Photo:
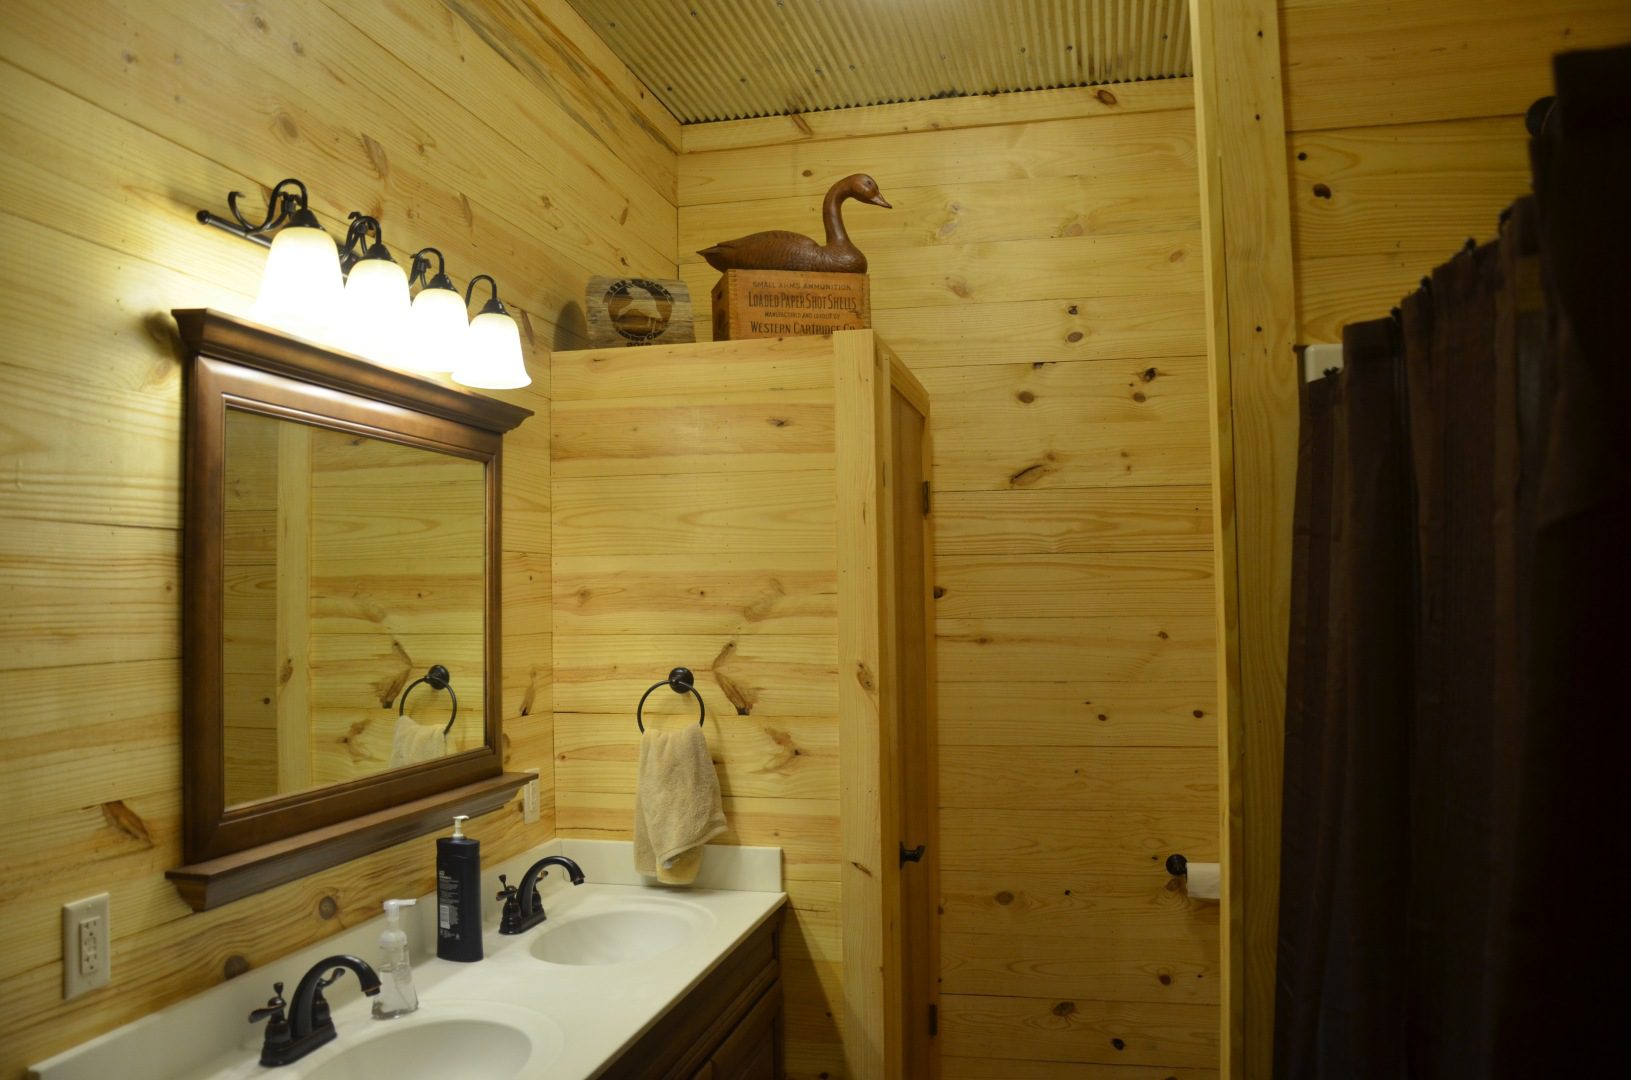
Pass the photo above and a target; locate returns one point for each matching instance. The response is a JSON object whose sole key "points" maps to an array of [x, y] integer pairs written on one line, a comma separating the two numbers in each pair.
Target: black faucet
{"points": [[522, 907], [309, 1024]]}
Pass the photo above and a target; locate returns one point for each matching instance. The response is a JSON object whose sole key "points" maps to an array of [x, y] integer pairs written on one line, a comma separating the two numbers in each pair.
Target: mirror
{"points": [[342, 541], [352, 565]]}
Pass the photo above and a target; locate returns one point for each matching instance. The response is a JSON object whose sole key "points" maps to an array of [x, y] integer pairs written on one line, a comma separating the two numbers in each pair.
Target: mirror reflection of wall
{"points": [[352, 564]]}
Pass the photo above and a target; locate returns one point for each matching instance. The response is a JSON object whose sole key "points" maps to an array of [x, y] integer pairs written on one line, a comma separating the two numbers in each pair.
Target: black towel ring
{"points": [[438, 679], [679, 680]]}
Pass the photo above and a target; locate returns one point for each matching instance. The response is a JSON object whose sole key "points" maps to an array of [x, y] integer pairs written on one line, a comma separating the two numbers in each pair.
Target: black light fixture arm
{"points": [[356, 247], [419, 271], [287, 199], [494, 304]]}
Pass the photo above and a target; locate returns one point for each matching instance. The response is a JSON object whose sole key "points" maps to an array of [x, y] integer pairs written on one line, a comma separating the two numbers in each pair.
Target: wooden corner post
{"points": [[1251, 312]]}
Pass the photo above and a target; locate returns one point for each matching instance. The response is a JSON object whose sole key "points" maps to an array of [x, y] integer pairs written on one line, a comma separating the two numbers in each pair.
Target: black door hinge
{"points": [[926, 500], [934, 1020]]}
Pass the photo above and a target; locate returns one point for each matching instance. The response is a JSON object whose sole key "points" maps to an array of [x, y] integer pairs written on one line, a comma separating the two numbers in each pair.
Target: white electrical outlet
{"points": [[529, 799], [86, 951]]}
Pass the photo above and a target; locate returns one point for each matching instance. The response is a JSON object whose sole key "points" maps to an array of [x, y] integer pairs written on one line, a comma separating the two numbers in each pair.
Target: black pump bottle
{"points": [[458, 895]]}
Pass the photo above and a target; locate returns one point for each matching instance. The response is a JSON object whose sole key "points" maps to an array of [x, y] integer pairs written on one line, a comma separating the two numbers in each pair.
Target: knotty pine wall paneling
{"points": [[695, 525], [1041, 274], [500, 132], [1405, 134]]}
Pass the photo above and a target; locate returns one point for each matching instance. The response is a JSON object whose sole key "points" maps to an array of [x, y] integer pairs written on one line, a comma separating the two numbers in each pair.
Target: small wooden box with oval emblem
{"points": [[637, 311], [789, 303]]}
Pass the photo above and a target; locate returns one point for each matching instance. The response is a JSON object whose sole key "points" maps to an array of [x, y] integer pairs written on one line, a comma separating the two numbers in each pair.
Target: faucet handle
{"points": [[273, 1009], [320, 1016], [510, 922], [278, 1032]]}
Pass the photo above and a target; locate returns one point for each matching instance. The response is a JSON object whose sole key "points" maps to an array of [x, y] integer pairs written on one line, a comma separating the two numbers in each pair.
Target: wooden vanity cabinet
{"points": [[728, 1028]]}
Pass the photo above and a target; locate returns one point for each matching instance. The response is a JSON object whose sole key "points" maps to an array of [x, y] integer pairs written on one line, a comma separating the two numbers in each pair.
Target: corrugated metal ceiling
{"points": [[725, 59]]}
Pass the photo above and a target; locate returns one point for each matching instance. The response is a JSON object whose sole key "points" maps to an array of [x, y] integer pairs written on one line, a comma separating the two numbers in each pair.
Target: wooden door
{"points": [[912, 559]]}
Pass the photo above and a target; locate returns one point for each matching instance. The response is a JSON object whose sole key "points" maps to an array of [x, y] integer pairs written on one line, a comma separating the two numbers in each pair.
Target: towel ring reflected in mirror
{"points": [[680, 680], [439, 679]]}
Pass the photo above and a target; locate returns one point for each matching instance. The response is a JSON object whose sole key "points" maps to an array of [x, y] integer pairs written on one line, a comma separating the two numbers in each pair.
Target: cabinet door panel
{"points": [[751, 1052]]}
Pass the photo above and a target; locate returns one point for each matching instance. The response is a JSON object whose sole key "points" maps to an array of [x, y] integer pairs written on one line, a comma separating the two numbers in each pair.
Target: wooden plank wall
{"points": [[511, 141], [694, 524], [1041, 273], [1405, 134]]}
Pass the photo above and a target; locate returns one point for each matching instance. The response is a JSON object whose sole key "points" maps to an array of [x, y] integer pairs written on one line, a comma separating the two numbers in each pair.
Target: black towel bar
{"points": [[680, 680], [438, 679]]}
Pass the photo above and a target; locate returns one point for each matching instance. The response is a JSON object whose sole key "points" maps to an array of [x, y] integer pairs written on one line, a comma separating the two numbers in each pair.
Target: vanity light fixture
{"points": [[354, 296], [301, 288], [375, 314], [439, 327], [491, 359]]}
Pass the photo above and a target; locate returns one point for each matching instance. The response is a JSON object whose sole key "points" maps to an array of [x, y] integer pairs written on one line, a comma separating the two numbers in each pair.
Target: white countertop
{"points": [[578, 1018]]}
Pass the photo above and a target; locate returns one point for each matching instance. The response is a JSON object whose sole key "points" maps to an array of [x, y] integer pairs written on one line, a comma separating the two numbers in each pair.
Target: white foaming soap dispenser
{"points": [[397, 996]]}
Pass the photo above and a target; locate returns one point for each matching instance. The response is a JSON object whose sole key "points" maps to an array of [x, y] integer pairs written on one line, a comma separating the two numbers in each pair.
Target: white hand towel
{"points": [[676, 804], [411, 742]]}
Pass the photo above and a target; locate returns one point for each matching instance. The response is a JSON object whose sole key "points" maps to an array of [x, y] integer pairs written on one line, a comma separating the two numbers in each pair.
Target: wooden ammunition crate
{"points": [[789, 303]]}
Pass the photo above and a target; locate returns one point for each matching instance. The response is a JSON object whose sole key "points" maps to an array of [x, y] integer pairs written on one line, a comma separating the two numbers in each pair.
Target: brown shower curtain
{"points": [[1458, 714]]}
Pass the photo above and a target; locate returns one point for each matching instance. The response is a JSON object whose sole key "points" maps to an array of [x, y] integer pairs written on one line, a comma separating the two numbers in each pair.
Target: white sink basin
{"points": [[437, 1049], [628, 933]]}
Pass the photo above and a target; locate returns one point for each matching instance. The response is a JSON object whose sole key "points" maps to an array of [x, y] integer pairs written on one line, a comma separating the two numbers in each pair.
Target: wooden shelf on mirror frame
{"points": [[214, 882]]}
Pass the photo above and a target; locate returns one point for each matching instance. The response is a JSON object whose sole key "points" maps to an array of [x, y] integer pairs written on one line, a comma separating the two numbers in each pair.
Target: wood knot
{"points": [[328, 907], [1025, 396], [1030, 474], [1322, 191], [1106, 97], [939, 591], [1139, 397], [376, 156], [1074, 336], [863, 675], [1198, 714], [1064, 1008], [1148, 374], [235, 965], [1005, 897], [1162, 634], [1118, 1044], [126, 821], [1166, 980]]}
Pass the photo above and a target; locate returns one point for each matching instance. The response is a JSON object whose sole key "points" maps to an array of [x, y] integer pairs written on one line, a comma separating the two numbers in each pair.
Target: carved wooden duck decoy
{"points": [[779, 249]]}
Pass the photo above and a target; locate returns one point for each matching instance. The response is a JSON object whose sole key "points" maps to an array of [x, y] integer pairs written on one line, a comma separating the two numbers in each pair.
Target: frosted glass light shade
{"points": [[376, 312], [301, 287], [438, 331], [492, 358]]}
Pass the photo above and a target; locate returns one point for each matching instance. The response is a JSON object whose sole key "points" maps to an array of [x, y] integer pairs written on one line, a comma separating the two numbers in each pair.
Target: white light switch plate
{"points": [[86, 951]]}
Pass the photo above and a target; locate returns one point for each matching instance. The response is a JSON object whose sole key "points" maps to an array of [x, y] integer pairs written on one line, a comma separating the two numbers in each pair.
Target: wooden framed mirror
{"points": [[342, 541]]}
